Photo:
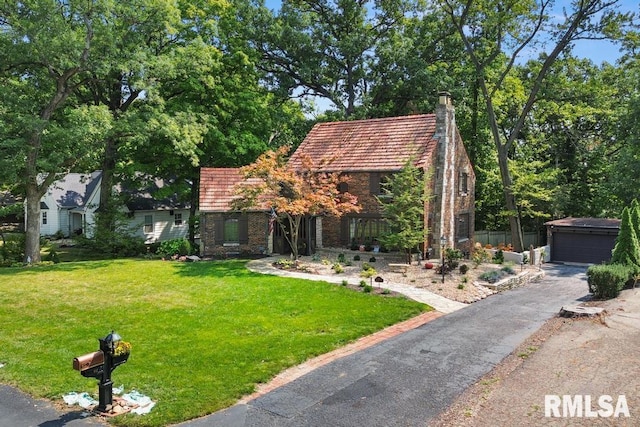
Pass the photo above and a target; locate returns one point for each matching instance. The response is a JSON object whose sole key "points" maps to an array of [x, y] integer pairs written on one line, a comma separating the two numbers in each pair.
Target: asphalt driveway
{"points": [[410, 379], [404, 381]]}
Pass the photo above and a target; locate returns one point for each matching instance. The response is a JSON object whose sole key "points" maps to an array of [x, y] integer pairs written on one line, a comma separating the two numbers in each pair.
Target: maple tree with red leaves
{"points": [[293, 193]]}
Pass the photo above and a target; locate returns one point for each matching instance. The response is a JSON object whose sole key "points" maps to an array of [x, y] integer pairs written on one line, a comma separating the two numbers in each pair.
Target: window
{"points": [[177, 219], [148, 223], [462, 228], [343, 187], [464, 183], [366, 230], [44, 218], [377, 182], [231, 231]]}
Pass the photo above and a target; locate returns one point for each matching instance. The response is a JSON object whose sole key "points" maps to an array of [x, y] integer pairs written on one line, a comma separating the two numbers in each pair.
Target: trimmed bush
{"points": [[175, 247], [607, 280]]}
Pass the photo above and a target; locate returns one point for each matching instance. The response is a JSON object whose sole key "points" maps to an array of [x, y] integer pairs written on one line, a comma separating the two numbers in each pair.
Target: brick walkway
{"points": [[362, 343]]}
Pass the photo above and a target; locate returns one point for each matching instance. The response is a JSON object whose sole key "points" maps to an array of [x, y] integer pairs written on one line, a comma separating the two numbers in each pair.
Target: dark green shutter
{"points": [[218, 231], [243, 229]]}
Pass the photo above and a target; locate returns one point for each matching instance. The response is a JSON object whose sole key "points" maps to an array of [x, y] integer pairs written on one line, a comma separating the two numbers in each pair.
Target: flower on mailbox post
{"points": [[122, 348]]}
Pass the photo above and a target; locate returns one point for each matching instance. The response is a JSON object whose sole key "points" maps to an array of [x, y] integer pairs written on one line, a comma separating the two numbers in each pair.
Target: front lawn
{"points": [[203, 334]]}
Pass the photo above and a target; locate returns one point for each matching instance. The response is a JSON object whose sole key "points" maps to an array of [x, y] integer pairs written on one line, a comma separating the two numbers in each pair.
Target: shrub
{"points": [[175, 247], [341, 258], [460, 286], [452, 257], [491, 276], [508, 269], [370, 272], [367, 288], [607, 280], [464, 268], [345, 282], [356, 257], [372, 259], [337, 267], [362, 283], [480, 255], [13, 249], [498, 258]]}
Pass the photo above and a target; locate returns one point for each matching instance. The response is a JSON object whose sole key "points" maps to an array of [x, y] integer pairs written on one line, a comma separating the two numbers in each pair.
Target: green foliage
{"points": [[498, 257], [175, 247], [372, 259], [12, 249], [367, 289], [491, 276], [452, 258], [464, 268], [341, 257], [356, 257], [607, 280], [337, 268], [627, 247], [403, 207], [480, 255], [508, 269]]}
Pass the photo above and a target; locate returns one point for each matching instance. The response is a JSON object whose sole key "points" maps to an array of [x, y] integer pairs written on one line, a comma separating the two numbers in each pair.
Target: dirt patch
{"points": [[465, 287], [576, 357]]}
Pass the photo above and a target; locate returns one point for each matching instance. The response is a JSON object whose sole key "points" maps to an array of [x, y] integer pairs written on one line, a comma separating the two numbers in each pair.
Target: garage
{"points": [[582, 240]]}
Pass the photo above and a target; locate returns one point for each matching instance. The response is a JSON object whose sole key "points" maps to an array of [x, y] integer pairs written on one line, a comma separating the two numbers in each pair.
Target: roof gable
{"points": [[384, 144], [74, 189]]}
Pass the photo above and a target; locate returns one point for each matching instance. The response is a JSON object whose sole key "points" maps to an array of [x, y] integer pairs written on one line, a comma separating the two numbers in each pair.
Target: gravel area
{"points": [[465, 288]]}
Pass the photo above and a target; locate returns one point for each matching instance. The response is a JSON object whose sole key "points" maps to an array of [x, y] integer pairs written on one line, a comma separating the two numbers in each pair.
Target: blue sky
{"points": [[597, 51]]}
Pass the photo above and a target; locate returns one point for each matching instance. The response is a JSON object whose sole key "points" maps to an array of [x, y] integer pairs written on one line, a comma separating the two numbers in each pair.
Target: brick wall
{"points": [[257, 223]]}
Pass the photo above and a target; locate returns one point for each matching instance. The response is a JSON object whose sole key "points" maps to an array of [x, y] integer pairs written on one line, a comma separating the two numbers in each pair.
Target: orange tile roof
{"points": [[369, 145], [217, 187]]}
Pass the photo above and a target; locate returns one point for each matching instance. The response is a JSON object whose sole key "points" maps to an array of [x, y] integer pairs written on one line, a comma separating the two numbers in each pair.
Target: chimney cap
{"points": [[444, 98]]}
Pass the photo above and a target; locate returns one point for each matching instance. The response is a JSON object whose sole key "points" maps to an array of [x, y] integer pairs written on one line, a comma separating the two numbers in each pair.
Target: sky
{"points": [[597, 51]]}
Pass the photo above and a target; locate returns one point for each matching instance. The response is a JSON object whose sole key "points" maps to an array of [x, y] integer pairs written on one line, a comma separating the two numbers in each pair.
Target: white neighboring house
{"points": [[70, 204]]}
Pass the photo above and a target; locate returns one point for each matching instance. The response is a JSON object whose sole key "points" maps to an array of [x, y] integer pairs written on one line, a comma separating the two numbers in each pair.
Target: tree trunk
{"points": [[32, 223], [510, 201]]}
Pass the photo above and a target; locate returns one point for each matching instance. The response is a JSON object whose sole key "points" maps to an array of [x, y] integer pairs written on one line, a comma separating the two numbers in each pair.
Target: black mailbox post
{"points": [[100, 364]]}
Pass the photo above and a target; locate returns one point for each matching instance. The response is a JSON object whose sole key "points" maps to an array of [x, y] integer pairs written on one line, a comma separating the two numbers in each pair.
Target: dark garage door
{"points": [[582, 247]]}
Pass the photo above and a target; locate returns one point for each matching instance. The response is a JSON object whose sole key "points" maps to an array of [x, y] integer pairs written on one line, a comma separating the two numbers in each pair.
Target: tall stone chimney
{"points": [[445, 169]]}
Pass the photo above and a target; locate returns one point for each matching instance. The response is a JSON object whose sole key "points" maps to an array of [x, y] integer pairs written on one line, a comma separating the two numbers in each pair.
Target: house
{"points": [[582, 240], [70, 205], [369, 151]]}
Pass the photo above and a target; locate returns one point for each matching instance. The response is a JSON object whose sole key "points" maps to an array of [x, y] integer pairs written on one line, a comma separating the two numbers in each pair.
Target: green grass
{"points": [[203, 334]]}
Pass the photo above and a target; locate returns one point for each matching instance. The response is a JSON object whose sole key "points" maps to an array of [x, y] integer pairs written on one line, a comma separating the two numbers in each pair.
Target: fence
{"points": [[494, 238]]}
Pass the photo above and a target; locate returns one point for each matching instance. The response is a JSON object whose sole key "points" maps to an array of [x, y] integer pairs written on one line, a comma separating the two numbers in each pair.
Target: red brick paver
{"points": [[365, 342]]}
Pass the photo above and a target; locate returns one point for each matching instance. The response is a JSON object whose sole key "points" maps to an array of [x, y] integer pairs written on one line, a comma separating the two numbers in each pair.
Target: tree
{"points": [[405, 195], [43, 132], [324, 48], [292, 194], [495, 34], [627, 248]]}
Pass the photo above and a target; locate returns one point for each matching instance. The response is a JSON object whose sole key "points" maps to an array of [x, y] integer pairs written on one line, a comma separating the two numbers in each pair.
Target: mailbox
{"points": [[100, 364], [90, 365]]}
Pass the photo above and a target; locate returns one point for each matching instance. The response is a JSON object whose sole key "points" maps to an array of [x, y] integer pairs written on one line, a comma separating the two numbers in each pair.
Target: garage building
{"points": [[582, 240]]}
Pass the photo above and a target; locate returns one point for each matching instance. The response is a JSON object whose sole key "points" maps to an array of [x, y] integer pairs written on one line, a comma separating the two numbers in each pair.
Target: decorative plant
{"points": [[122, 348]]}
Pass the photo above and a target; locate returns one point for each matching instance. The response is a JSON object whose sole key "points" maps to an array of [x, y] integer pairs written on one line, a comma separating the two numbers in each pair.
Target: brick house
{"points": [[368, 151]]}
